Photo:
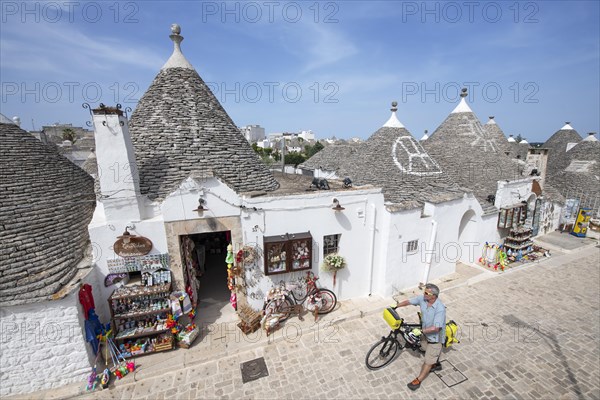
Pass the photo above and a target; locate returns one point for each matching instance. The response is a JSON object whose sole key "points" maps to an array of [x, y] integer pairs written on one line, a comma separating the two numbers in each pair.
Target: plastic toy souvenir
{"points": [[92, 380], [105, 379]]}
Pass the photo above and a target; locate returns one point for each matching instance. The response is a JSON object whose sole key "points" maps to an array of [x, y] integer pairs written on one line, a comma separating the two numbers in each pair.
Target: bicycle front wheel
{"points": [[328, 301], [382, 353]]}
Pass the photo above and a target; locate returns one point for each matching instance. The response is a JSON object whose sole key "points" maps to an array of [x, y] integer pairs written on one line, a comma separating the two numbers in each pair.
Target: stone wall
{"points": [[42, 346]]}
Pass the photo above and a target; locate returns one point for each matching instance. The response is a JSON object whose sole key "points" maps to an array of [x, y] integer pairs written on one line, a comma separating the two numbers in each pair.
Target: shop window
{"points": [[331, 244], [288, 253], [412, 246]]}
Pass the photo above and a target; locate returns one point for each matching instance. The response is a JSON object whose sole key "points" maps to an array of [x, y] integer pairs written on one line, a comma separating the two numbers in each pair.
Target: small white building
{"points": [[309, 135], [253, 133]]}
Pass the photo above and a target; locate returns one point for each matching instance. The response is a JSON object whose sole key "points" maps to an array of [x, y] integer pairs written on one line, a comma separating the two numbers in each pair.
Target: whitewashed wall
{"points": [[103, 235], [312, 212], [42, 346], [433, 259], [513, 192]]}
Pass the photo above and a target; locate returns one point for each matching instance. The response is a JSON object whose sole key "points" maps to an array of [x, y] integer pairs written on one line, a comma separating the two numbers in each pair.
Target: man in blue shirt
{"points": [[433, 330]]}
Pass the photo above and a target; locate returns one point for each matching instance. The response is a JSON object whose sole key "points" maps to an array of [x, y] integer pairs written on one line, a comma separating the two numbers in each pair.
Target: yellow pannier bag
{"points": [[451, 332], [391, 317]]}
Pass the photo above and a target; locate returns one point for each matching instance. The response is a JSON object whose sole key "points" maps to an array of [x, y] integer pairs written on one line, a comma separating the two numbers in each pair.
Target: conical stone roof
{"points": [[179, 129], [470, 155], [581, 177], [395, 161], [518, 150], [557, 148], [497, 135], [46, 204], [331, 157]]}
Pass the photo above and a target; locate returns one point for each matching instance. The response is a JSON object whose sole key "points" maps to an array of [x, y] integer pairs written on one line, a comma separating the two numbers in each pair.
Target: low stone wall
{"points": [[42, 346]]}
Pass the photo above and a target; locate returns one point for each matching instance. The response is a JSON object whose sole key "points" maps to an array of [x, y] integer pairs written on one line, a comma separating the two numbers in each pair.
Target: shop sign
{"points": [[131, 246]]}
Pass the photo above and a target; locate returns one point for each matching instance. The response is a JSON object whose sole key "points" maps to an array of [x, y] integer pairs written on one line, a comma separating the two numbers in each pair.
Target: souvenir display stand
{"points": [[139, 315], [518, 243]]}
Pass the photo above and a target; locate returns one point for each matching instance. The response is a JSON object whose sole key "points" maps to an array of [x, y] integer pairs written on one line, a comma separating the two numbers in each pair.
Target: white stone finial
{"points": [[425, 135], [567, 126], [491, 120], [393, 122], [17, 121], [462, 106], [177, 59]]}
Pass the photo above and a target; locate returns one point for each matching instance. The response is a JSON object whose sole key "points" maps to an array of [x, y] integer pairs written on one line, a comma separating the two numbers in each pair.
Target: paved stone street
{"points": [[527, 333]]}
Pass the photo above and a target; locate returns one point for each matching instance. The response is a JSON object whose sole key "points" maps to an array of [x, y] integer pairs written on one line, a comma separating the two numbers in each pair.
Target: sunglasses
{"points": [[428, 293]]}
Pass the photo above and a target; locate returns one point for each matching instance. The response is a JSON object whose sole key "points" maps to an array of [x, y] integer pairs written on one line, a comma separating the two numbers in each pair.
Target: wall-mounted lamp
{"points": [[126, 236], [201, 207], [336, 205]]}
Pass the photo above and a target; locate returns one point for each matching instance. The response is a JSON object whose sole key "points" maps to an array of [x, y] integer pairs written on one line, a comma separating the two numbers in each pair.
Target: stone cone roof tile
{"points": [[179, 129], [46, 204], [557, 149], [581, 177], [471, 156], [497, 135], [331, 157], [393, 159]]}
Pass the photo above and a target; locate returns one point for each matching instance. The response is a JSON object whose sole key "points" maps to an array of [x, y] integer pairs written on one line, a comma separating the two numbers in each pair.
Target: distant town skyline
{"points": [[330, 67]]}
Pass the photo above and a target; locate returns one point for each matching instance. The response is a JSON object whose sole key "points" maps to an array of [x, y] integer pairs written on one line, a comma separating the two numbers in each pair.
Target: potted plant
{"points": [[333, 263]]}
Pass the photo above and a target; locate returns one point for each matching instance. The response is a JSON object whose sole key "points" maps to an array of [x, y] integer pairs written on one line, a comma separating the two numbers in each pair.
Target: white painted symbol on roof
{"points": [[406, 151]]}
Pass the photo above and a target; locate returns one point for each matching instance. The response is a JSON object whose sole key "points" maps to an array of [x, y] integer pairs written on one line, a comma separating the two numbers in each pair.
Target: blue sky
{"points": [[332, 67]]}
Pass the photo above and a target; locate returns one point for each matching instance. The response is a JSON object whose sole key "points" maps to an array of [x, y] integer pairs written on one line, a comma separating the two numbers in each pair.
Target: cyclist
{"points": [[433, 323]]}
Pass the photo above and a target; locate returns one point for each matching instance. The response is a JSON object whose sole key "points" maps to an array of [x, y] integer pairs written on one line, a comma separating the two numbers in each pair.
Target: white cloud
{"points": [[64, 49]]}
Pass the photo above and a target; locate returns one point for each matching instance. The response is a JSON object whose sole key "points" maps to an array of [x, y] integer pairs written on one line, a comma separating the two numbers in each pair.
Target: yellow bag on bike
{"points": [[392, 318], [451, 332]]}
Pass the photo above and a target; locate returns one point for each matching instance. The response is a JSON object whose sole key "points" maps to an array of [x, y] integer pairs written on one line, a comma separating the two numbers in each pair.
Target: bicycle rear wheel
{"points": [[282, 307], [328, 301], [382, 353]]}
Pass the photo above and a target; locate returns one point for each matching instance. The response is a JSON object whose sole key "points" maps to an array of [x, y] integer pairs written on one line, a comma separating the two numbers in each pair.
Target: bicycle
{"points": [[285, 301], [385, 350]]}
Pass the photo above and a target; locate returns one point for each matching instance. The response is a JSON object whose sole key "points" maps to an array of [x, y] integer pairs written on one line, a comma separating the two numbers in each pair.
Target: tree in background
{"points": [[312, 150], [294, 158]]}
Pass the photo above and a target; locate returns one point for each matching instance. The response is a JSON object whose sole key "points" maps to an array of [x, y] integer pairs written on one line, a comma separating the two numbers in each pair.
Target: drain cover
{"points": [[449, 374], [254, 369]]}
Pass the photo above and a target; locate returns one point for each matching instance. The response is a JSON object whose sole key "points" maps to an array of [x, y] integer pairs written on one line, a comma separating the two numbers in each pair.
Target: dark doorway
{"points": [[207, 252]]}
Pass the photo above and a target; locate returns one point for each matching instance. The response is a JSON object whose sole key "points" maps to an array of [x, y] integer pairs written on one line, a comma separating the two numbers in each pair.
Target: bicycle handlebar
{"points": [[310, 276]]}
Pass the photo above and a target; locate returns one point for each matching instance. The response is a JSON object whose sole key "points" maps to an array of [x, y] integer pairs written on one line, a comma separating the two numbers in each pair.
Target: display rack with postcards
{"points": [[140, 311]]}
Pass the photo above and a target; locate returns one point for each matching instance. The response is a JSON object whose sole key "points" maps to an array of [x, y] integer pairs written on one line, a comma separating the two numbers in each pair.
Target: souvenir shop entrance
{"points": [[205, 273]]}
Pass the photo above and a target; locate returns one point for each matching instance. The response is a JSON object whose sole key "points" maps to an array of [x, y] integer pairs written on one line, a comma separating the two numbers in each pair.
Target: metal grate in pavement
{"points": [[254, 369], [450, 375]]}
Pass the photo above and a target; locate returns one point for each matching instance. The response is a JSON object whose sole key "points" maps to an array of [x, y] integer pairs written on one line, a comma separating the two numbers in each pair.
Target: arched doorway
{"points": [[467, 234]]}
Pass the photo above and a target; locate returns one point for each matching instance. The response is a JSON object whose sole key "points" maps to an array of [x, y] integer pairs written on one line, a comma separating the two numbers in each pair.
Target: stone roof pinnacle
{"points": [[462, 106], [393, 122], [177, 59]]}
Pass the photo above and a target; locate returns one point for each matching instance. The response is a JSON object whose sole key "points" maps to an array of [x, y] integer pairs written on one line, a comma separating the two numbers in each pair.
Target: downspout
{"points": [[429, 251], [372, 249]]}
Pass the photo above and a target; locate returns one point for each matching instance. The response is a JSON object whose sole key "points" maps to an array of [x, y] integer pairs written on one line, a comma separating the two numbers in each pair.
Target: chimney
{"points": [[117, 168]]}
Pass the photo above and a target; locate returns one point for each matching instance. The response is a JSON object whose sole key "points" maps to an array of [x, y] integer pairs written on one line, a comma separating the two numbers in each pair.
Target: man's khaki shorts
{"points": [[432, 351]]}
